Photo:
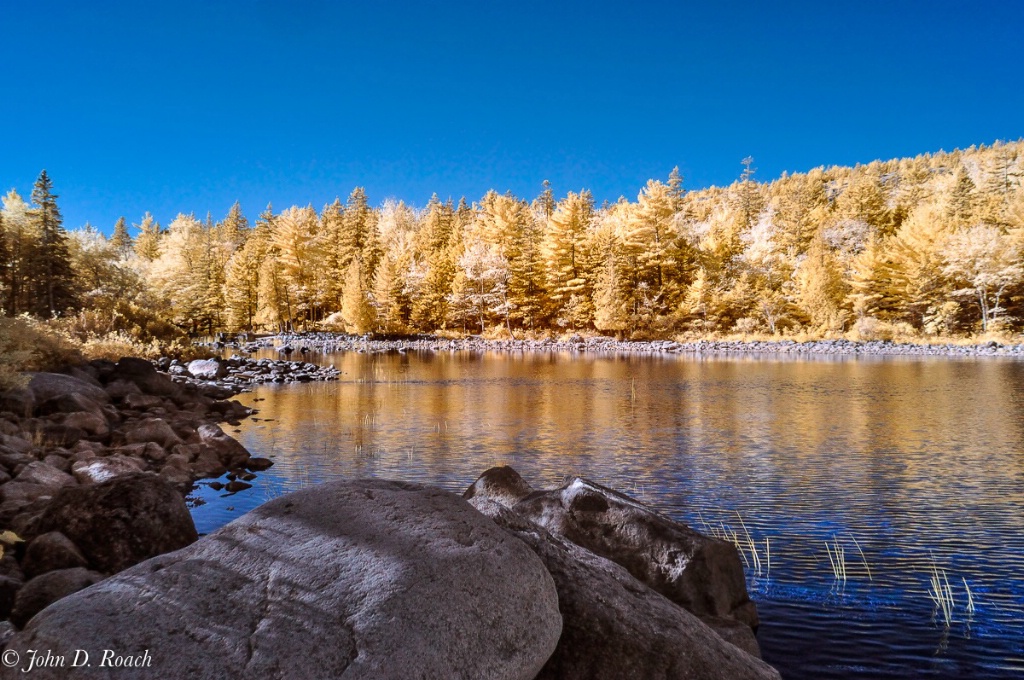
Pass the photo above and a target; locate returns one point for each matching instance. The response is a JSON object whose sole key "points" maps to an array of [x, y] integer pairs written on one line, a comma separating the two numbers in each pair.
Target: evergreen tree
{"points": [[563, 249], [51, 266], [121, 239], [356, 308], [147, 244], [962, 199]]}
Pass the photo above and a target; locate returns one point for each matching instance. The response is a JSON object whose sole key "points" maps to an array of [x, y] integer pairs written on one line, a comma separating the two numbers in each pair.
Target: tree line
{"points": [[931, 245]]}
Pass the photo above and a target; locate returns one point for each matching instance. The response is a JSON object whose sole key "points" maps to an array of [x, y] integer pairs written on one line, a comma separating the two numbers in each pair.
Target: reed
{"points": [[940, 593], [862, 558], [837, 558], [970, 597]]}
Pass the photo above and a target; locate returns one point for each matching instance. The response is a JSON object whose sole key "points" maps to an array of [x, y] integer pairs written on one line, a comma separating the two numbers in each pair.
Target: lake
{"points": [[853, 484]]}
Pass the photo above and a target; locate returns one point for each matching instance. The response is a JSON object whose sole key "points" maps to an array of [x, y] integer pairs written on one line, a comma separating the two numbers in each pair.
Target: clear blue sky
{"points": [[188, 106]]}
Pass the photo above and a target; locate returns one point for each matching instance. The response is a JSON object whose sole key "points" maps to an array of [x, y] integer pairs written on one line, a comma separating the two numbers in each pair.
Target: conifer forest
{"points": [[931, 246]]}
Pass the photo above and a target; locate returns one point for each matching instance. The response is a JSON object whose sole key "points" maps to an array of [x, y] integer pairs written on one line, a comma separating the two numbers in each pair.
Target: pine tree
{"points": [[563, 249], [545, 202], [611, 311], [962, 199], [821, 288], [51, 266], [356, 308], [121, 239], [147, 244]]}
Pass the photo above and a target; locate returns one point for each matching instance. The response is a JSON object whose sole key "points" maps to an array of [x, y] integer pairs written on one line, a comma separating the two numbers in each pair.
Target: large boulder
{"points": [[207, 369], [362, 579], [615, 627], [700, 573], [145, 376], [121, 522], [49, 385]]}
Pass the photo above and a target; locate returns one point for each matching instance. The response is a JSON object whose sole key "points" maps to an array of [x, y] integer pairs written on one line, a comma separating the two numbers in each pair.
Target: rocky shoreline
{"points": [[309, 344], [382, 579], [65, 435]]}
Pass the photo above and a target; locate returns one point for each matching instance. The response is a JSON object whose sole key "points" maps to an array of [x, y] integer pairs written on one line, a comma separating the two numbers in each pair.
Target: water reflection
{"points": [[917, 461]]}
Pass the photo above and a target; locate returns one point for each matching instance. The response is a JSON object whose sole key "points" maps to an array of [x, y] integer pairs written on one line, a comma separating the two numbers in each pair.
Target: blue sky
{"points": [[189, 106]]}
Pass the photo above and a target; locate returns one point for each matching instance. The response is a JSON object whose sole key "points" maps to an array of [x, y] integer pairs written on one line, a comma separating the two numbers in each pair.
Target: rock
{"points": [[235, 486], [20, 492], [153, 430], [258, 464], [121, 389], [150, 451], [56, 434], [229, 451], [145, 377], [207, 369], [8, 592], [38, 472], [121, 522], [177, 477], [17, 444], [71, 402], [702, 574], [44, 590], [99, 470], [207, 464], [92, 424], [362, 579], [58, 461], [49, 385], [20, 401], [142, 402], [49, 552], [615, 627], [500, 484]]}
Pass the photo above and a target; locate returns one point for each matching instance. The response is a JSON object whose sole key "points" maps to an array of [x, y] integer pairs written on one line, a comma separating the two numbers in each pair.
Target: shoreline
{"points": [[296, 345]]}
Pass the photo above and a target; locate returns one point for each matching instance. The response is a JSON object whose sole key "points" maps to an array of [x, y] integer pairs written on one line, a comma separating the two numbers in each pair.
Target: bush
{"points": [[30, 345]]}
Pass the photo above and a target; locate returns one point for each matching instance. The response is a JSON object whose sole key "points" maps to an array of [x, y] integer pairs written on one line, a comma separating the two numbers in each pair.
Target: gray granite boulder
{"points": [[207, 369], [615, 627], [362, 579], [702, 574]]}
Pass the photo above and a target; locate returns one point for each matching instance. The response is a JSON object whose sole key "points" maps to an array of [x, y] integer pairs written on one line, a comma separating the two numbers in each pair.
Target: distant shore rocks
{"points": [[309, 344], [221, 378]]}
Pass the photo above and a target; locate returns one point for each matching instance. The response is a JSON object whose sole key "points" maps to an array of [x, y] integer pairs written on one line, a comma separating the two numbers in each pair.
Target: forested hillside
{"points": [[925, 246]]}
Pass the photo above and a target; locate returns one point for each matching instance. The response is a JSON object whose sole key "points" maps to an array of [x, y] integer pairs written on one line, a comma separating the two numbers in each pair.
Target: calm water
{"points": [[905, 465]]}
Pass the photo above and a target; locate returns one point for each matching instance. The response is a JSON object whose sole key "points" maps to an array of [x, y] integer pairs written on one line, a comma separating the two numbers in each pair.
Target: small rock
{"points": [[44, 590], [258, 464], [49, 552]]}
